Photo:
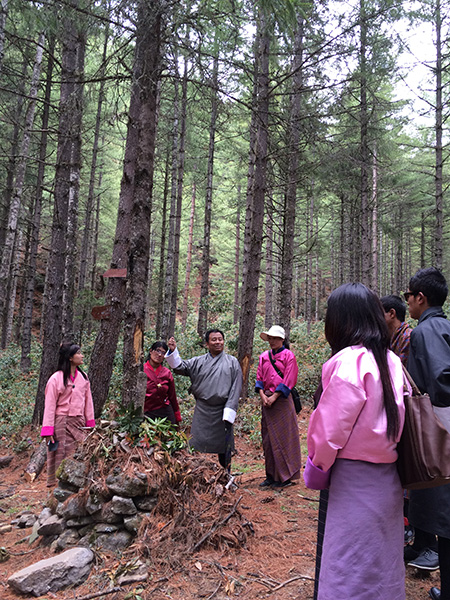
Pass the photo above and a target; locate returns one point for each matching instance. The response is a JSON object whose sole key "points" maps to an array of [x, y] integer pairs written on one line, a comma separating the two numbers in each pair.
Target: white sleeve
{"points": [[229, 414], [173, 358]]}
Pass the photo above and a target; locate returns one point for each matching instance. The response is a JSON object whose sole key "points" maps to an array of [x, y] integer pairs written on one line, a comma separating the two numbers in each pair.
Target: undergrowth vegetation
{"points": [[18, 390]]}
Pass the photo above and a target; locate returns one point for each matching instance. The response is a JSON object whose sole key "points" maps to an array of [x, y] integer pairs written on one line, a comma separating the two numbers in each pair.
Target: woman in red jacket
{"points": [[160, 398]]}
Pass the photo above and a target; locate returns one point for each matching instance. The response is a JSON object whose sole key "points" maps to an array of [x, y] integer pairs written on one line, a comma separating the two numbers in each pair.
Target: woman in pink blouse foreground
{"points": [[68, 408], [352, 439], [276, 376]]}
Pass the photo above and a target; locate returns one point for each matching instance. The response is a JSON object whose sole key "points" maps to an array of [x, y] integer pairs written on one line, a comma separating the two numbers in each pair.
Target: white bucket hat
{"points": [[274, 331]]}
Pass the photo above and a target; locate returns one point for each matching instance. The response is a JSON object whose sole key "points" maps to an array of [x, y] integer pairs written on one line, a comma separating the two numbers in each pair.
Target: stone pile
{"points": [[103, 515]]}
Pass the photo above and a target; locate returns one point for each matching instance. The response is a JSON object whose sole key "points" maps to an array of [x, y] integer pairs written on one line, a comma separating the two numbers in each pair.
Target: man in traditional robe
{"points": [[216, 383]]}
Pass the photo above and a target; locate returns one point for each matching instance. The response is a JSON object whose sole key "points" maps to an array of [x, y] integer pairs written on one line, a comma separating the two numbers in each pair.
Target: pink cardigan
{"points": [[74, 399], [350, 421]]}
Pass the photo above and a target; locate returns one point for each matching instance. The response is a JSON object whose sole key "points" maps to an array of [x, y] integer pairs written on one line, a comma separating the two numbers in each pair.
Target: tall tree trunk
{"points": [[25, 360], [187, 280], [364, 152], [72, 224], [3, 16], [206, 250], [8, 191], [162, 262], [8, 259], [289, 214], [375, 282], [256, 205], [180, 178], [438, 232], [88, 220], [67, 134], [166, 332], [269, 280], [136, 176], [148, 38], [237, 258]]}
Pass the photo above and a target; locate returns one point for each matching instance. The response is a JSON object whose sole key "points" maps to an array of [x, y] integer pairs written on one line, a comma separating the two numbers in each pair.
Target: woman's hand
{"points": [[49, 439], [171, 343], [271, 399]]}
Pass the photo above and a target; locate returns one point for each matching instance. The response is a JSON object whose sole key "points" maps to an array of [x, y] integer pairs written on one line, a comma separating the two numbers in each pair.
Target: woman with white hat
{"points": [[276, 376]]}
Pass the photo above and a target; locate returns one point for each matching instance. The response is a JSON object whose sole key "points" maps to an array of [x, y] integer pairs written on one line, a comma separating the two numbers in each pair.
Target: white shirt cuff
{"points": [[229, 414], [173, 358]]}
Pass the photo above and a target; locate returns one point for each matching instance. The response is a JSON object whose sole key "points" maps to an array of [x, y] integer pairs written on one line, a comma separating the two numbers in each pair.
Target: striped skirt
{"points": [[364, 534], [68, 432]]}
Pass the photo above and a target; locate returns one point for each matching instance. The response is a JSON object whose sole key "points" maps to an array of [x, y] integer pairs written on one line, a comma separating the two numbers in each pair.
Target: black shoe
{"points": [[281, 484], [428, 560], [434, 593], [410, 553], [267, 482]]}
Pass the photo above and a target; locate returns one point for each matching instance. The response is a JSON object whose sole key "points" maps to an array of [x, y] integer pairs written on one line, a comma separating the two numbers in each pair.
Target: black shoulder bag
{"points": [[294, 393]]}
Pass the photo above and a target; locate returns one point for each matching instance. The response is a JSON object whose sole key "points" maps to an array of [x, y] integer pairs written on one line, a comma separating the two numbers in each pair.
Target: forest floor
{"points": [[276, 562]]}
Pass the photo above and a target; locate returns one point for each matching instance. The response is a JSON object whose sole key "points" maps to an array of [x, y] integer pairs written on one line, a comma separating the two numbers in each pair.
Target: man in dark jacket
{"points": [[429, 366]]}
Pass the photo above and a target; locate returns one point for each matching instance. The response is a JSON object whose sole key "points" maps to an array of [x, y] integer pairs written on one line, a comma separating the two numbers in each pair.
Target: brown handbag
{"points": [[424, 447]]}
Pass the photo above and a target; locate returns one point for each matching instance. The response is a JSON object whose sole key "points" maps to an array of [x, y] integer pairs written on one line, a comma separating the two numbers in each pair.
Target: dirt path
{"points": [[278, 561]]}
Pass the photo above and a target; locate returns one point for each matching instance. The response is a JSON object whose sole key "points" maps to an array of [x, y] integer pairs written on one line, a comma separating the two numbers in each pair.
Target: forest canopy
{"points": [[171, 160]]}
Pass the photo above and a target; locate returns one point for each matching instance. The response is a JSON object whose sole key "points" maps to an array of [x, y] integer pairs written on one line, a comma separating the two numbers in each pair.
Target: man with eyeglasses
{"points": [[429, 366]]}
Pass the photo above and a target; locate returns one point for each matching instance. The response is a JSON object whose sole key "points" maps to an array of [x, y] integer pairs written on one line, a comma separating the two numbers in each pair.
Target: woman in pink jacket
{"points": [[352, 439], [68, 408], [276, 376]]}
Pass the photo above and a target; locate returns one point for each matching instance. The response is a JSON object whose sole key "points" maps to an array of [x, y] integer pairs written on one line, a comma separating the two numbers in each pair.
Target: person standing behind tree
{"points": [[160, 396], [216, 384], [68, 408], [399, 330], [279, 428]]}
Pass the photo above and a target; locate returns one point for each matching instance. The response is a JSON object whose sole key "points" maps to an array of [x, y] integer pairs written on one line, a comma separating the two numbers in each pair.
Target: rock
{"points": [[132, 523], [72, 472], [52, 526], [5, 528], [114, 542], [44, 515], [70, 568], [67, 539], [5, 461], [72, 508], [80, 522], [127, 485], [26, 520], [146, 503], [106, 515], [105, 528], [137, 572], [123, 506], [62, 494]]}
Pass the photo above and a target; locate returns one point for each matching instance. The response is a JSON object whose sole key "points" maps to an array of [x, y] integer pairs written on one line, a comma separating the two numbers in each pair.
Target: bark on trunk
{"points": [[289, 215], [206, 250], [256, 206], [438, 232], [187, 280], [25, 360], [102, 360], [67, 132], [72, 224], [148, 61]]}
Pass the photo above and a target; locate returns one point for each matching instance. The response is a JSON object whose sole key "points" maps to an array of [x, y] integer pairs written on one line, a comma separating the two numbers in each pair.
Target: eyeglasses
{"points": [[407, 295], [160, 352]]}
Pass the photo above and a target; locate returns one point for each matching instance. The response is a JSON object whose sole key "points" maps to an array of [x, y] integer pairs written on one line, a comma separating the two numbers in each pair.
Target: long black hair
{"points": [[66, 351], [355, 316]]}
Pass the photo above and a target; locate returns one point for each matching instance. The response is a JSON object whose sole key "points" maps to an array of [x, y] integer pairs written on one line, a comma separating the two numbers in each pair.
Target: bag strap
{"points": [[415, 389], [274, 365]]}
